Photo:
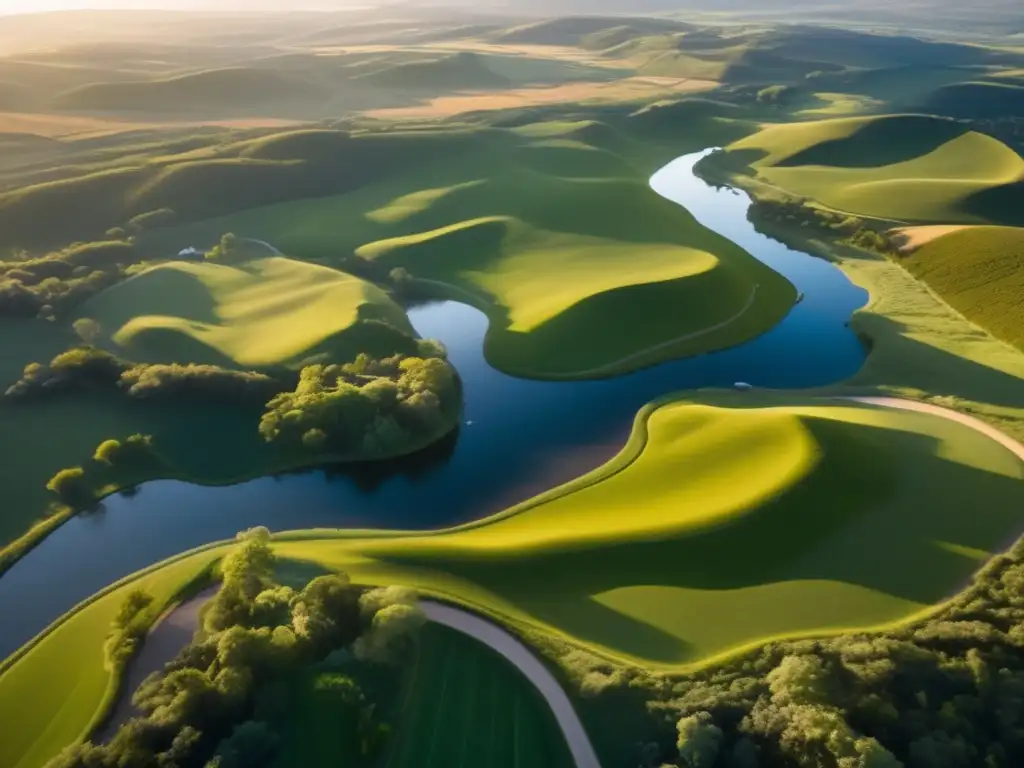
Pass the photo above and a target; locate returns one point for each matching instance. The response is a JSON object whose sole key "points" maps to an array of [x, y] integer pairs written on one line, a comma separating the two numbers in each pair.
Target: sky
{"points": [[31, 6]]}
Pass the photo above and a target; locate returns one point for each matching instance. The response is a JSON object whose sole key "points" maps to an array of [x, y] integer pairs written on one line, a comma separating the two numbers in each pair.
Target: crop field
{"points": [[57, 689], [465, 704], [256, 313], [979, 271], [907, 168]]}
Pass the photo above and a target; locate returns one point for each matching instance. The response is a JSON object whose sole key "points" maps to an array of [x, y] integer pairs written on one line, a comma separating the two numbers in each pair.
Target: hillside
{"points": [[221, 89], [977, 100], [979, 271], [463, 70], [899, 167], [254, 314]]}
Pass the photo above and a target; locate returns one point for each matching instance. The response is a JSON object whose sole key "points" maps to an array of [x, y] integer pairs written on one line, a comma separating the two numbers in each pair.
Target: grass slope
{"points": [[461, 70], [900, 167], [551, 229], [979, 271], [258, 313], [58, 688], [726, 522], [219, 88], [977, 100]]}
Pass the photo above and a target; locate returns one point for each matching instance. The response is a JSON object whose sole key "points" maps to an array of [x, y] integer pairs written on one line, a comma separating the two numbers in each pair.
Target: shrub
{"points": [[88, 330], [72, 487]]}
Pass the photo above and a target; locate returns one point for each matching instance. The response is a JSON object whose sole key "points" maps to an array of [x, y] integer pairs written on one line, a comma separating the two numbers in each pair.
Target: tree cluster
{"points": [[945, 693], [88, 367], [50, 286], [372, 406], [114, 464], [221, 702], [801, 213]]}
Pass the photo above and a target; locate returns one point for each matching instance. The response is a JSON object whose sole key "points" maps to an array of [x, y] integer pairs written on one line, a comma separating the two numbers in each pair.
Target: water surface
{"points": [[518, 437]]}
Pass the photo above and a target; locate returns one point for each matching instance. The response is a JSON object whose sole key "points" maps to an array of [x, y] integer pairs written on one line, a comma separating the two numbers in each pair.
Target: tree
{"points": [[72, 487], [799, 680], [225, 249], [88, 330], [247, 572], [327, 613], [699, 740], [391, 625]]}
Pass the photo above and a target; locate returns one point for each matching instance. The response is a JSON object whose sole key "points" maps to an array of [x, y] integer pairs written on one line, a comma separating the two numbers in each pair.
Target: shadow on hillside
{"points": [[885, 510], [909, 363]]}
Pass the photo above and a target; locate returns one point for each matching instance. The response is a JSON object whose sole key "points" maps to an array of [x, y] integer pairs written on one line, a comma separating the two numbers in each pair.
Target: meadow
{"points": [[768, 534], [251, 313], [903, 168]]}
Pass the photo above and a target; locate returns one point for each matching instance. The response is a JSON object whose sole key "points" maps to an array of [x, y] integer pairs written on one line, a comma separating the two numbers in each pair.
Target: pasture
{"points": [[611, 257], [908, 168], [464, 703], [756, 512], [251, 314]]}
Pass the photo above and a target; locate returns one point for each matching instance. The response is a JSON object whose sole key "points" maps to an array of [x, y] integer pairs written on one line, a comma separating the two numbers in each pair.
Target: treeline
{"points": [[87, 367], [50, 286], [223, 701], [115, 464], [801, 213], [372, 406], [947, 692]]}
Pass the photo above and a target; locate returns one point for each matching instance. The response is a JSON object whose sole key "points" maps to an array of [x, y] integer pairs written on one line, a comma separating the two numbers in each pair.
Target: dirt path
{"points": [[522, 659], [171, 633], [945, 413]]}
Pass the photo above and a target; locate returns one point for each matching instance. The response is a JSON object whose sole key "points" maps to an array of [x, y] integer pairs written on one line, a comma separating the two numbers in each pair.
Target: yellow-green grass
{"points": [[728, 520], [902, 168], [582, 269], [839, 105], [55, 691], [979, 271], [258, 313], [724, 523]]}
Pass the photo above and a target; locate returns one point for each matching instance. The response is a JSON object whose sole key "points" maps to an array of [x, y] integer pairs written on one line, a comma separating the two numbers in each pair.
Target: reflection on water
{"points": [[518, 437]]}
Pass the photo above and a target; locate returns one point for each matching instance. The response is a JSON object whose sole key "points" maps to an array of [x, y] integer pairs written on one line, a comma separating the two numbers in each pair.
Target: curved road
{"points": [[177, 627]]}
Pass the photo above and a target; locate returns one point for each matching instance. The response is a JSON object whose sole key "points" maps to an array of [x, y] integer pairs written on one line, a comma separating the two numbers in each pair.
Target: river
{"points": [[518, 437]]}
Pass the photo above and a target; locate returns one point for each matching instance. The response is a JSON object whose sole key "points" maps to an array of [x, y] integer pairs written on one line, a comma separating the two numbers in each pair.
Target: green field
{"points": [[552, 230], [253, 314], [465, 704], [898, 167], [58, 688], [794, 519], [979, 271]]}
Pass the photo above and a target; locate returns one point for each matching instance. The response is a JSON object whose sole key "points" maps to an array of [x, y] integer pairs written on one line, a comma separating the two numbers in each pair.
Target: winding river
{"points": [[518, 438]]}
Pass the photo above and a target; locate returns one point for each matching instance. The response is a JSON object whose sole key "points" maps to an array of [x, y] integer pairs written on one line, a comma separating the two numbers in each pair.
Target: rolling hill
{"points": [[898, 167], [254, 314], [229, 88]]}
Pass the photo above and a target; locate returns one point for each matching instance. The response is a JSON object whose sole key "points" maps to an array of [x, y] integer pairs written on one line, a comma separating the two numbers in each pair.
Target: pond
{"points": [[518, 437]]}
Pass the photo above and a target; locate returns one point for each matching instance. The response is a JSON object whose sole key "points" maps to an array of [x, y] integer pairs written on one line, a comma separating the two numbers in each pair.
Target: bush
{"points": [[128, 629], [72, 487], [206, 382], [88, 330], [136, 452]]}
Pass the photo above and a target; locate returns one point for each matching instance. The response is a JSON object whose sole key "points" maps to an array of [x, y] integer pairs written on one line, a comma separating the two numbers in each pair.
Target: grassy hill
{"points": [[768, 537], [594, 32], [977, 100], [979, 271], [456, 72], [552, 230], [220, 88], [257, 313], [899, 167]]}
